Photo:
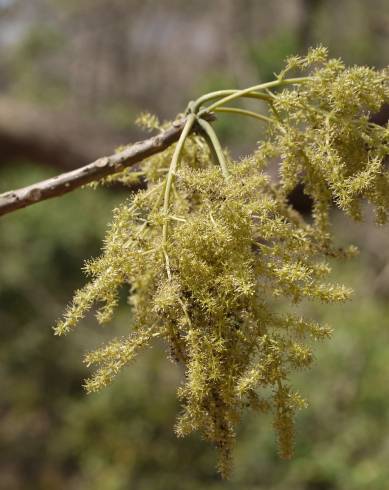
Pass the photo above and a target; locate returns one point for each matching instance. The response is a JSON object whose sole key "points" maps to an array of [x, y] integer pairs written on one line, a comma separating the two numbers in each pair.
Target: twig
{"points": [[69, 181]]}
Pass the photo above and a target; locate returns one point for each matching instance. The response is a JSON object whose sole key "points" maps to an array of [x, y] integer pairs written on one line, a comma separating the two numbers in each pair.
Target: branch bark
{"points": [[69, 181]]}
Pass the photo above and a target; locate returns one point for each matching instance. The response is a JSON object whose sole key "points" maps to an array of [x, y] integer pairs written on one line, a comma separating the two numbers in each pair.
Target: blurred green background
{"points": [[73, 77]]}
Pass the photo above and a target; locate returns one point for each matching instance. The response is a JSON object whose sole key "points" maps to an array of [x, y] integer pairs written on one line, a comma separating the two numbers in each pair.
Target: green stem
{"points": [[223, 93], [173, 168], [208, 129], [244, 112], [244, 92], [169, 183]]}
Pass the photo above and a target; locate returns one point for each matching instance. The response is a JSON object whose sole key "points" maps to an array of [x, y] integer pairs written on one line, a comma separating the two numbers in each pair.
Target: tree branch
{"points": [[67, 182]]}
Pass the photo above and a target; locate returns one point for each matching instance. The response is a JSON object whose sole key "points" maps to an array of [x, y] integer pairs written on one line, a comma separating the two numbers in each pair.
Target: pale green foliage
{"points": [[234, 253]]}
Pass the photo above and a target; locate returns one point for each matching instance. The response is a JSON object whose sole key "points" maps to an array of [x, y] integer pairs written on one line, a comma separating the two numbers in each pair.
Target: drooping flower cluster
{"points": [[211, 266], [327, 141]]}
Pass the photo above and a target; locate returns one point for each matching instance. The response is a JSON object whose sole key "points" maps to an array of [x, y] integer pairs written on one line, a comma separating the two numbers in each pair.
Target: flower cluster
{"points": [[212, 258]]}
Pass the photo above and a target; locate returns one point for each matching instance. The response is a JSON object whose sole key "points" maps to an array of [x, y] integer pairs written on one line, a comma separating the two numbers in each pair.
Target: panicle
{"points": [[211, 269]]}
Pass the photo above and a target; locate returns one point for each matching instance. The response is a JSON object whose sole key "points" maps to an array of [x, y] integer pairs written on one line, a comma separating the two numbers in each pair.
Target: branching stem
{"points": [[169, 183], [208, 129], [223, 93], [242, 93], [173, 168], [244, 112], [64, 183]]}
